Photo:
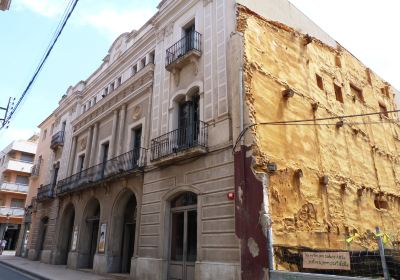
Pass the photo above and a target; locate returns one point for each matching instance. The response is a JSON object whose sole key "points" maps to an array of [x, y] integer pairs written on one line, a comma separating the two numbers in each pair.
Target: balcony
{"points": [[12, 212], [182, 52], [180, 143], [45, 192], [57, 140], [19, 165], [130, 162], [13, 187]]}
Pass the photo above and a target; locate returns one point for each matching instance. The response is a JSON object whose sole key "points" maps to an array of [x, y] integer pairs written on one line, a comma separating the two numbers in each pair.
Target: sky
{"points": [[368, 29]]}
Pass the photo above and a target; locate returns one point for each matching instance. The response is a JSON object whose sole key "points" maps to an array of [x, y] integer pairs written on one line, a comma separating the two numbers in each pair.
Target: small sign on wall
{"points": [[102, 240], [74, 238], [327, 260]]}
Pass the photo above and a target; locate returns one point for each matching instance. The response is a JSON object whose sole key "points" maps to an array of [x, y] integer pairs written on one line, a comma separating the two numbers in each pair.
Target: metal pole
{"points": [[385, 269]]}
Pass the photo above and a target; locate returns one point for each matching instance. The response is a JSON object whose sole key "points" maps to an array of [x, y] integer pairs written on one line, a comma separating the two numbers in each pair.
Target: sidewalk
{"points": [[48, 272]]}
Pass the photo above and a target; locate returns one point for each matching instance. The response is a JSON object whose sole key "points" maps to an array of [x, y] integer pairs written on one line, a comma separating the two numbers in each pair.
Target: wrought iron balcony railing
{"points": [[45, 192], [195, 135], [190, 42], [35, 169], [129, 162], [57, 140]]}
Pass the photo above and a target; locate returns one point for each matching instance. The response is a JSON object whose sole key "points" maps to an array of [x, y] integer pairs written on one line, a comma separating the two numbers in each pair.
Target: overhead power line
{"points": [[67, 14], [313, 122]]}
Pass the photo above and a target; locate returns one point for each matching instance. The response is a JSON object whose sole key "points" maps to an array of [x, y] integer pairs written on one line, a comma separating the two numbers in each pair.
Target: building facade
{"points": [[16, 162], [141, 176]]}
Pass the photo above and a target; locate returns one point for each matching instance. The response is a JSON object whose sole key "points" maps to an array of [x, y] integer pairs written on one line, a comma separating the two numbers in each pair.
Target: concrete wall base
{"points": [[220, 271], [45, 256], [149, 268], [72, 260], [100, 264], [157, 269], [32, 255]]}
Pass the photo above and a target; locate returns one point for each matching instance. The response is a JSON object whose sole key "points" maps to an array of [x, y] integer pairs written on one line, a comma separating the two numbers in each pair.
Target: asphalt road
{"points": [[7, 273]]}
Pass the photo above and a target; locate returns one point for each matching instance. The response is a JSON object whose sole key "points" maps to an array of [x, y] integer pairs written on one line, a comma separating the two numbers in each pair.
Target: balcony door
{"points": [[104, 158], [183, 237], [189, 37], [136, 144], [188, 122]]}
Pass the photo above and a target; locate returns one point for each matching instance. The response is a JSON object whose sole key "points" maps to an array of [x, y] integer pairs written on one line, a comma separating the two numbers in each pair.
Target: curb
{"points": [[25, 271]]}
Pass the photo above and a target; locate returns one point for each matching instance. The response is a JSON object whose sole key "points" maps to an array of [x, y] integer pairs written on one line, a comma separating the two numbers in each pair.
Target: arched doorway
{"points": [[66, 229], [183, 237], [90, 233], [42, 235], [123, 231]]}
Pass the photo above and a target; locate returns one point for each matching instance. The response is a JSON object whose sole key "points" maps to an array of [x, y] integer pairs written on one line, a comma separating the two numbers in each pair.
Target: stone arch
{"points": [[123, 233], [182, 232], [41, 236], [89, 233], [166, 213], [192, 93], [66, 228]]}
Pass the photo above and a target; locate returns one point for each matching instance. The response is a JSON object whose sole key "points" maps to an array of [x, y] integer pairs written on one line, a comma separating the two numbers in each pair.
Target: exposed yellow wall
{"points": [[361, 160]]}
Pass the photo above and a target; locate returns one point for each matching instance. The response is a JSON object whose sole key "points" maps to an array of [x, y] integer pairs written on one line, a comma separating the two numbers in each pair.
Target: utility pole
{"points": [[4, 120]]}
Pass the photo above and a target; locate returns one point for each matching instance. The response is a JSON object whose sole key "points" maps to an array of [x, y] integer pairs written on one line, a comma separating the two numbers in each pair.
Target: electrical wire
{"points": [[306, 122], [67, 14]]}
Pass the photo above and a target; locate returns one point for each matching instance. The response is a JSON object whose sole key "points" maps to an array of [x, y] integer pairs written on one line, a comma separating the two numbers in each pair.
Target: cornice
{"points": [[122, 62], [137, 83]]}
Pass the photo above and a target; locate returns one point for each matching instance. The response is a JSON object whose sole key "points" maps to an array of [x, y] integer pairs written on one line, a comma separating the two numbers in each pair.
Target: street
{"points": [[7, 273]]}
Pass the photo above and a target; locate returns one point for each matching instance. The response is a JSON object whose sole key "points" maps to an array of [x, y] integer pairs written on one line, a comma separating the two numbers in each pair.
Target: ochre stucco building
{"points": [[335, 178]]}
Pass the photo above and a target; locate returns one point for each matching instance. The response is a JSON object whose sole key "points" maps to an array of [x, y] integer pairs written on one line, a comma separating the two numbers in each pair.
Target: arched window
{"points": [[183, 236]]}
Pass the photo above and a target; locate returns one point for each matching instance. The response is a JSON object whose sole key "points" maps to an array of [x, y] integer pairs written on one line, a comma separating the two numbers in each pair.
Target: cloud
{"points": [[113, 22], [109, 17], [12, 134], [47, 8]]}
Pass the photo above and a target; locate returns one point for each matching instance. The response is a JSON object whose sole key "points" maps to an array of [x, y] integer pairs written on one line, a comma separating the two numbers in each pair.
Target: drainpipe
{"points": [[241, 99], [266, 221]]}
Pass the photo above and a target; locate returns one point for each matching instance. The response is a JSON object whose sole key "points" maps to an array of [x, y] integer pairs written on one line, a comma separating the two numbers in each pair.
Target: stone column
{"points": [[87, 150], [113, 134], [121, 129], [72, 155], [94, 144]]}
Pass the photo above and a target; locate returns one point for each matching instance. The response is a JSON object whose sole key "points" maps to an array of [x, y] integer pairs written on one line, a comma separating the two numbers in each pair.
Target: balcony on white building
{"points": [[12, 212], [14, 187], [19, 165]]}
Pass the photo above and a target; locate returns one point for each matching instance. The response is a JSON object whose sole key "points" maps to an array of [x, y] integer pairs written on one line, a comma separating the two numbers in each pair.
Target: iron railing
{"points": [[45, 192], [191, 41], [121, 165], [14, 187], [180, 139], [36, 169], [57, 139]]}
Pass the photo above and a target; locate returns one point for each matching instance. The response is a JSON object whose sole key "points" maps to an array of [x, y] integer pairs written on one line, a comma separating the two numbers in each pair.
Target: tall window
{"points": [[136, 143], [81, 161], [188, 121], [55, 174], [183, 236], [189, 35]]}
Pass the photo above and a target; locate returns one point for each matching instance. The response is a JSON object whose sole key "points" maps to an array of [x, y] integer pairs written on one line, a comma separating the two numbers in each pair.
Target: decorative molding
{"points": [[169, 29], [137, 112], [82, 144]]}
